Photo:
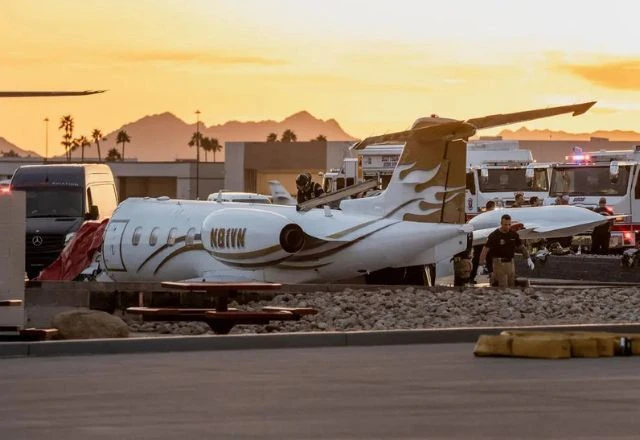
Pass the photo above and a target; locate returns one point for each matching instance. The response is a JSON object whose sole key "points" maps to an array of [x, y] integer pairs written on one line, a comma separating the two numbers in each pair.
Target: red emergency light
{"points": [[579, 158], [5, 190]]}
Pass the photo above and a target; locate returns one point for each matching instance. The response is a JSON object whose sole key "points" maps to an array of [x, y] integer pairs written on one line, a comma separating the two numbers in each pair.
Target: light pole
{"points": [[198, 155], [46, 139]]}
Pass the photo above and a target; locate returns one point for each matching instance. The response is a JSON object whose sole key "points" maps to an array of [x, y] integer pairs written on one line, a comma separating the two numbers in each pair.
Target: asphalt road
{"points": [[383, 392]]}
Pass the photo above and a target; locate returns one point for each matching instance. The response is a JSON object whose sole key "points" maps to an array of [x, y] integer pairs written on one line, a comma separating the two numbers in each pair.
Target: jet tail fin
{"points": [[428, 183]]}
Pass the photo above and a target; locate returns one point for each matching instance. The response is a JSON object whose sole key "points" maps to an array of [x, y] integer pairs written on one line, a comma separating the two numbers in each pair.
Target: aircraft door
{"points": [[112, 246]]}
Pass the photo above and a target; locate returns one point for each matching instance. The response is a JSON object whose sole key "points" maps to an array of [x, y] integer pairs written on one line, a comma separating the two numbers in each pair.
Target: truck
{"points": [[585, 177], [496, 170], [59, 199]]}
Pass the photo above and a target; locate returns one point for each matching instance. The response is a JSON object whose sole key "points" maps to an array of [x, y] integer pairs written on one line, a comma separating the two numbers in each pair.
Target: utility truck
{"points": [[586, 177]]}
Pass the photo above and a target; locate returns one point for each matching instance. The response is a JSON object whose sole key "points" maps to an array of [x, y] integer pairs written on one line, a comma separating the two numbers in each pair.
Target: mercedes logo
{"points": [[36, 240]]}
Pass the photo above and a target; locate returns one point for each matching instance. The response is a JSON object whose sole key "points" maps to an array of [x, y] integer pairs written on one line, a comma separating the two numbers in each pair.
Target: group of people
{"points": [[497, 254]]}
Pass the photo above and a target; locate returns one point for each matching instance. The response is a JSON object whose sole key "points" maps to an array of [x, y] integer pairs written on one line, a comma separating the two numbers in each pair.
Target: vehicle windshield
{"points": [[54, 202], [513, 179], [588, 181]]}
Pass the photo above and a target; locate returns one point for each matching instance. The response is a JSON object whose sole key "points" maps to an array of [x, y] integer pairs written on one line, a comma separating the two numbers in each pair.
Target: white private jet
{"points": [[416, 221], [538, 222]]}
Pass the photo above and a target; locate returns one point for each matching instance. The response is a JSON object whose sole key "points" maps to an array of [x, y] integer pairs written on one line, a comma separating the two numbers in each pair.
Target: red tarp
{"points": [[78, 254]]}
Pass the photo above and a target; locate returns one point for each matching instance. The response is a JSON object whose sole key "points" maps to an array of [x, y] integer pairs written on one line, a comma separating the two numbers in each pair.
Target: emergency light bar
{"points": [[579, 157]]}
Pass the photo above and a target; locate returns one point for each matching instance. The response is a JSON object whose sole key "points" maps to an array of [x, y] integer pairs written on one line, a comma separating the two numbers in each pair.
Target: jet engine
{"points": [[245, 237]]}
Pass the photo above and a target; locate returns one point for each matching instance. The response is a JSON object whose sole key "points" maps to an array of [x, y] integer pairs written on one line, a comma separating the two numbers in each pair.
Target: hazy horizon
{"points": [[374, 67]]}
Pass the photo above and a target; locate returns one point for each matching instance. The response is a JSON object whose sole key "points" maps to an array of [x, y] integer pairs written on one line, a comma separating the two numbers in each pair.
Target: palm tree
{"points": [[321, 138], [113, 155], [198, 140], [123, 138], [81, 143], [272, 137], [66, 123], [214, 146], [205, 144], [97, 137], [288, 136]]}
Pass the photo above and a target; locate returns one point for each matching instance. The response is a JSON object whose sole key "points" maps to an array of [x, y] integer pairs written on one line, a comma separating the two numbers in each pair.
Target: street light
{"points": [[46, 139], [198, 155]]}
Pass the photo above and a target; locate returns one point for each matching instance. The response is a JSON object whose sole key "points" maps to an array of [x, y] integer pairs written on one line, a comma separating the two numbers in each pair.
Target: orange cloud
{"points": [[614, 75], [196, 57]]}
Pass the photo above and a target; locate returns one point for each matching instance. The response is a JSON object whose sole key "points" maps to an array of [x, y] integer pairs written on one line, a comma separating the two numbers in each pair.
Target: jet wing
{"points": [[48, 93], [532, 231]]}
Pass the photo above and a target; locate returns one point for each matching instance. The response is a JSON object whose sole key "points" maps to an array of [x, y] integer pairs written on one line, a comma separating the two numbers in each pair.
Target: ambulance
{"points": [[586, 177]]}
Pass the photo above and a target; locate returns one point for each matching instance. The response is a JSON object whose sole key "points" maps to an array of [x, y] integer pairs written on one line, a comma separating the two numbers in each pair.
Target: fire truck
{"points": [[586, 177], [498, 170]]}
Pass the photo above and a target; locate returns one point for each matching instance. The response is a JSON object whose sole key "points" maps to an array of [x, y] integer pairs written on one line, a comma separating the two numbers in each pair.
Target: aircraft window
{"points": [[191, 236], [135, 239], [153, 237], [171, 238]]}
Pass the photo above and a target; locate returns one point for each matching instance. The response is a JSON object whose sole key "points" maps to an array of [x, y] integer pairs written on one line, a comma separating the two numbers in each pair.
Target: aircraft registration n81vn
{"points": [[418, 220]]}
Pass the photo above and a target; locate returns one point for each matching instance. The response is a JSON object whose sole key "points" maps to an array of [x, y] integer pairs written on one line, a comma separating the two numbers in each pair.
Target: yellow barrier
{"points": [[557, 345]]}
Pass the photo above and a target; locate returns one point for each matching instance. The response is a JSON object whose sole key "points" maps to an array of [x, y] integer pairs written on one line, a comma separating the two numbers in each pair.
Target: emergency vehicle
{"points": [[498, 170], [614, 175]]}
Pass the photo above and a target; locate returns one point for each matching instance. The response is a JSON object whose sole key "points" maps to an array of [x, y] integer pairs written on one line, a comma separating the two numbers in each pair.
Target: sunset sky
{"points": [[375, 66]]}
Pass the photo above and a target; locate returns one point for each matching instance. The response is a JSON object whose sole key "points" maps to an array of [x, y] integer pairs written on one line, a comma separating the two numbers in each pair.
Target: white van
{"points": [[241, 197]]}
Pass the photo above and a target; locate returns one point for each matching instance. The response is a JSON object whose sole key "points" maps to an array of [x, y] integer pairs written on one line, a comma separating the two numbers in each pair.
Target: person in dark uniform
{"points": [[475, 261], [503, 243], [307, 189], [601, 233]]}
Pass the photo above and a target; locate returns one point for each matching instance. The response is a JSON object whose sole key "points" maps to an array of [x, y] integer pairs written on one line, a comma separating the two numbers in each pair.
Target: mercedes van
{"points": [[59, 198]]}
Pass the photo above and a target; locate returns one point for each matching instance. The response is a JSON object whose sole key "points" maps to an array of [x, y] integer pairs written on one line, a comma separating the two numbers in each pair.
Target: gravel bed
{"points": [[417, 308]]}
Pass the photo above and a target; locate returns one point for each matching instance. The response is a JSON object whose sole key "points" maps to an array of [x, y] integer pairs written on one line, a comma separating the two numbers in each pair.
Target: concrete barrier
{"points": [[580, 267], [280, 340]]}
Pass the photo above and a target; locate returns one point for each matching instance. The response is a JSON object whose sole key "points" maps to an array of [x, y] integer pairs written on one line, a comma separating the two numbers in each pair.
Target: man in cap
{"points": [[502, 243], [307, 189], [602, 233]]}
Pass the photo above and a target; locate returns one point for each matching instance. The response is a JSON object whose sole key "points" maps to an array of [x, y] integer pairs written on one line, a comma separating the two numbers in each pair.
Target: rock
{"points": [[89, 324]]}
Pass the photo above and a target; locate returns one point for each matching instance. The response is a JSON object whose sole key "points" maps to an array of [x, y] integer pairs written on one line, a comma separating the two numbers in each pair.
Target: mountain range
{"points": [[165, 137], [544, 135]]}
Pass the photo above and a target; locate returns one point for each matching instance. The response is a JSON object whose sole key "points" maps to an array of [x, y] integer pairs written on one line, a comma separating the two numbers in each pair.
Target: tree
{"points": [[82, 142], [113, 155], [321, 138], [272, 137], [97, 137], [288, 136], [197, 140], [10, 153], [211, 144], [123, 138], [66, 123]]}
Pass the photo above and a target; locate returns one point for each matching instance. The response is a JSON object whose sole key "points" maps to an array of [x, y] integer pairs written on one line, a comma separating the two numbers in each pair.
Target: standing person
{"points": [[502, 243], [307, 189], [602, 233], [475, 261]]}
